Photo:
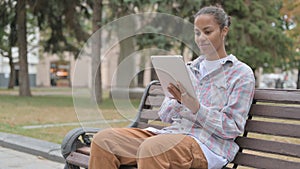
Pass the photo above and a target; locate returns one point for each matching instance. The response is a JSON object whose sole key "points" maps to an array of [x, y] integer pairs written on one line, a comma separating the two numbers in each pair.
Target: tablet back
{"points": [[171, 68]]}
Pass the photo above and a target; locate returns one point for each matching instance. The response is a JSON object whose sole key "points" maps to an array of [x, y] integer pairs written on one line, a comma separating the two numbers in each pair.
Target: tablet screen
{"points": [[170, 69]]}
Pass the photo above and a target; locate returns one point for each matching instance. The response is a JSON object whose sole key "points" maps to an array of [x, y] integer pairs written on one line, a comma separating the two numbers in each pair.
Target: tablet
{"points": [[170, 69]]}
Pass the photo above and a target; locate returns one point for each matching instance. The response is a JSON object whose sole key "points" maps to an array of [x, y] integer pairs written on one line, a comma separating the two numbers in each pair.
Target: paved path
{"points": [[20, 152], [11, 159]]}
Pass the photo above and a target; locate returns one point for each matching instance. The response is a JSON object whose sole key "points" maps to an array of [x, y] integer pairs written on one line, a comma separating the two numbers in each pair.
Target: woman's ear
{"points": [[224, 32]]}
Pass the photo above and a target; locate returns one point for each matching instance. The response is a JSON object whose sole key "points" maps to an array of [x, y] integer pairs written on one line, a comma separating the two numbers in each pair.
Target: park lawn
{"points": [[57, 110]]}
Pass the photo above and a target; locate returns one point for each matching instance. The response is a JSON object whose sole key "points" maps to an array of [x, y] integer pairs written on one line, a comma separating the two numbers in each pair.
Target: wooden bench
{"points": [[271, 138]]}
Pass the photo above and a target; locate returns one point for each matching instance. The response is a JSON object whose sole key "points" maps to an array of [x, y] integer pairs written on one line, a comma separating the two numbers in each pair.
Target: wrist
{"points": [[197, 107]]}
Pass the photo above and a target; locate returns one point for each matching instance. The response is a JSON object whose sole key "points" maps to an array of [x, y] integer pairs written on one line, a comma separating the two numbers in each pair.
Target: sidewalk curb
{"points": [[45, 149]]}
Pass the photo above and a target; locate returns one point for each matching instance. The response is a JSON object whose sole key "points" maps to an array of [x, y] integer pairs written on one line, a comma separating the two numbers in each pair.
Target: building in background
{"points": [[33, 38], [33, 61], [54, 71]]}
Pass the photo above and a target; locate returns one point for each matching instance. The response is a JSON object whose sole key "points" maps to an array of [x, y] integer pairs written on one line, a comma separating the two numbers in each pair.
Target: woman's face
{"points": [[209, 37]]}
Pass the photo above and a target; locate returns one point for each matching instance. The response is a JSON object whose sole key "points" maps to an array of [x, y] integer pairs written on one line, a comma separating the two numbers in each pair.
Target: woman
{"points": [[204, 128]]}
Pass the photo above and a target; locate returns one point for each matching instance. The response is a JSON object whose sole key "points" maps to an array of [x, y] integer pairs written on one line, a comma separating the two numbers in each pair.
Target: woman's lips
{"points": [[203, 45]]}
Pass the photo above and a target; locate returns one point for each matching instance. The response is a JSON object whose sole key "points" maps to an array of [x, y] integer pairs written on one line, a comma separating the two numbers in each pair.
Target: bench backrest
{"points": [[272, 133]]}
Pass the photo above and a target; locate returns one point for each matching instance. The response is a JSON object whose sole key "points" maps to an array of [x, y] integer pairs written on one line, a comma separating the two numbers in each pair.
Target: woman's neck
{"points": [[217, 56]]}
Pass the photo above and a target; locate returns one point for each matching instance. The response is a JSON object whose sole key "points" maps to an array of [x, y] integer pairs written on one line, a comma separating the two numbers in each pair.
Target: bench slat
{"points": [[82, 159], [282, 96], [281, 148], [145, 125], [154, 101], [84, 150], [150, 115], [78, 159], [269, 95], [275, 111], [264, 162], [127, 167], [156, 90], [272, 128]]}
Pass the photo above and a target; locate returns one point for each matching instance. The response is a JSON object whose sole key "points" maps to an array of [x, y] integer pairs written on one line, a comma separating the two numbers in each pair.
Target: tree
{"points": [[8, 35], [118, 9], [186, 10], [24, 89], [290, 13], [96, 52], [127, 46], [60, 24], [256, 35], [65, 27]]}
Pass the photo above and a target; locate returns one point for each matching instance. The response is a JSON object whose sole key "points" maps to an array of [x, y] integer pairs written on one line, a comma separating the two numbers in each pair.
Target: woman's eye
{"points": [[197, 33], [207, 32]]}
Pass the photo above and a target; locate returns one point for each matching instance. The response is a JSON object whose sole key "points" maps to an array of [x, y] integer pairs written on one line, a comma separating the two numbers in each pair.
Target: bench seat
{"points": [[271, 138]]}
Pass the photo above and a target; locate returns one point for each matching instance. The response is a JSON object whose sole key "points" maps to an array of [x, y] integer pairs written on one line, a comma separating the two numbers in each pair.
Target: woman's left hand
{"points": [[182, 96]]}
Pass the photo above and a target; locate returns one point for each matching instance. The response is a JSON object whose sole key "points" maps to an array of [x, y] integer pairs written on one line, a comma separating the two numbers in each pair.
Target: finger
{"points": [[174, 91], [173, 94], [174, 87], [181, 88], [171, 91], [183, 92]]}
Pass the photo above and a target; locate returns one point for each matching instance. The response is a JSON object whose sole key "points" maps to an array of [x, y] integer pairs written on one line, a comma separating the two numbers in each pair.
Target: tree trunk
{"points": [[257, 75], [12, 75], [126, 64], [96, 52], [298, 80], [24, 89], [182, 46], [140, 75], [153, 73], [140, 78]]}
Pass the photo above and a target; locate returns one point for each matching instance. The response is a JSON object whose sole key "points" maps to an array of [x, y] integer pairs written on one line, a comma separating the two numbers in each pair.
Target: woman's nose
{"points": [[201, 39]]}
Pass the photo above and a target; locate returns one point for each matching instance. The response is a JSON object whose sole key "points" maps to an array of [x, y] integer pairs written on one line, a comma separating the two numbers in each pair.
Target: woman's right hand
{"points": [[183, 97], [175, 92]]}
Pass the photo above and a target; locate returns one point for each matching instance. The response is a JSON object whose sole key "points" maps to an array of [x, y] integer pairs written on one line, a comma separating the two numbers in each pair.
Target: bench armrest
{"points": [[72, 142]]}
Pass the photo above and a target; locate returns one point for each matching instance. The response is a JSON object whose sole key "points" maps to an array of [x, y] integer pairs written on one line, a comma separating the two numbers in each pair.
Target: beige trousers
{"points": [[132, 146]]}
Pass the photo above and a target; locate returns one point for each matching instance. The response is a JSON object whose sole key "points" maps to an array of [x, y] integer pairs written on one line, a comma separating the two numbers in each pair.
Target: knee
{"points": [[102, 135], [159, 145], [149, 148], [105, 138]]}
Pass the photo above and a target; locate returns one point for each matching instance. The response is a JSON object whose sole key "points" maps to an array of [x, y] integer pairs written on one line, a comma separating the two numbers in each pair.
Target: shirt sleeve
{"points": [[229, 122], [169, 109]]}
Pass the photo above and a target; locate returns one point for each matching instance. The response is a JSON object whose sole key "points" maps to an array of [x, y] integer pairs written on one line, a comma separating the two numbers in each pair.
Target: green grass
{"points": [[54, 134], [36, 101], [38, 90], [17, 112]]}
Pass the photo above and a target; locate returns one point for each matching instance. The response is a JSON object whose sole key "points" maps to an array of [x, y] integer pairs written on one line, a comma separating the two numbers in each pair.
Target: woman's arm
{"points": [[170, 108], [229, 122]]}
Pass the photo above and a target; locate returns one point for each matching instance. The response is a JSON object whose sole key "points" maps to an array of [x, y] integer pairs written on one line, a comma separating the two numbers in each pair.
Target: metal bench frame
{"points": [[273, 113]]}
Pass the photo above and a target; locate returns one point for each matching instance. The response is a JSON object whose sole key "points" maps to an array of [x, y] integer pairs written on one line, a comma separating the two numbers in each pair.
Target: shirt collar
{"points": [[230, 58]]}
